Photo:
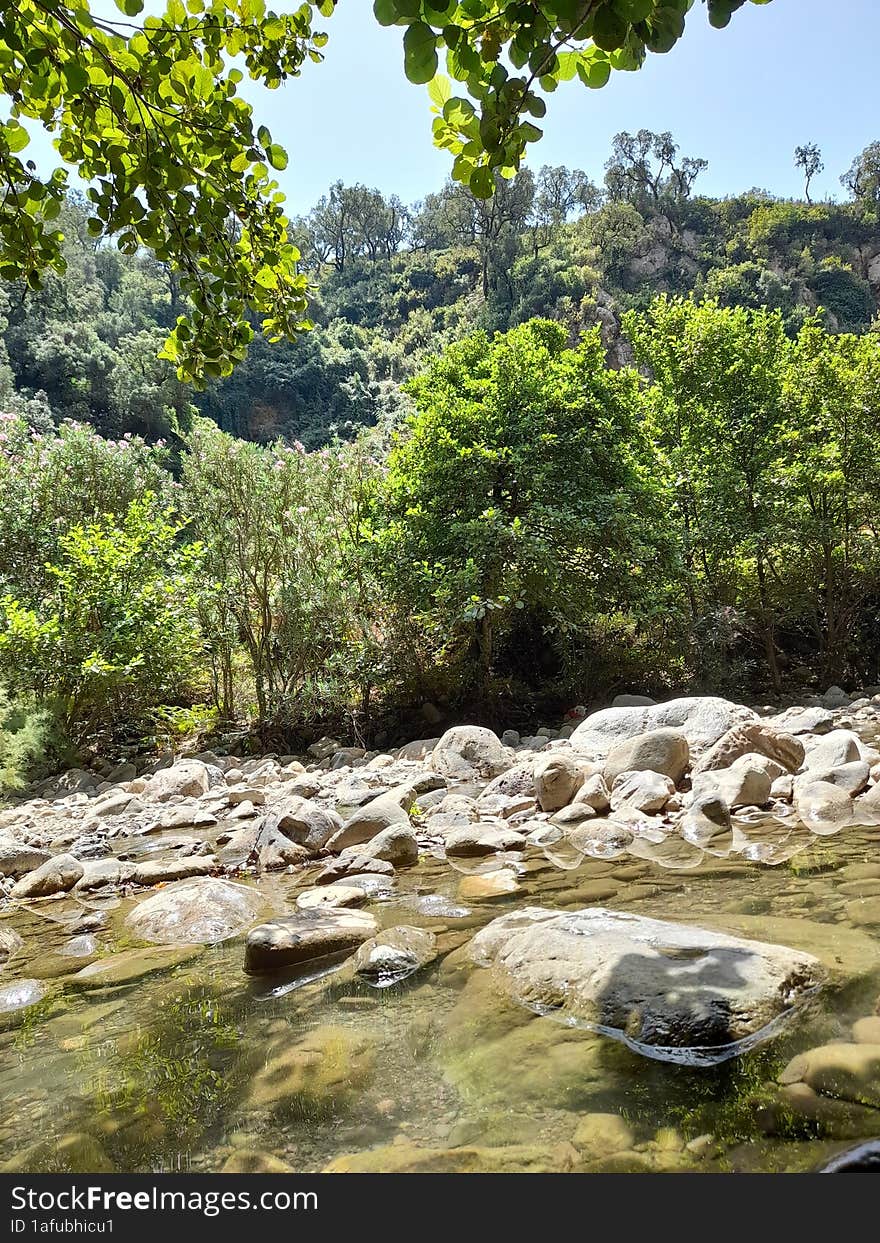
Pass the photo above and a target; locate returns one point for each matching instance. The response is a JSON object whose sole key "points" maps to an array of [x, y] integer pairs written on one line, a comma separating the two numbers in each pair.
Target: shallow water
{"points": [[162, 1072]]}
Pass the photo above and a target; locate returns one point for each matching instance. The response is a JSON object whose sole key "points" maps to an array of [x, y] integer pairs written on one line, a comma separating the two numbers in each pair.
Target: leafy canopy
{"points": [[148, 112]]}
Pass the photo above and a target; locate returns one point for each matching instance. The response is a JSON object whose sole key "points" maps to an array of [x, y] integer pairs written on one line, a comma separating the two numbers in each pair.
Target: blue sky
{"points": [[742, 98]]}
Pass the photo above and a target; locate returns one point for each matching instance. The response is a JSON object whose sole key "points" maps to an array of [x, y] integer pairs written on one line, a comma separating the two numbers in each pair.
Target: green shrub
{"points": [[24, 734], [117, 632]]}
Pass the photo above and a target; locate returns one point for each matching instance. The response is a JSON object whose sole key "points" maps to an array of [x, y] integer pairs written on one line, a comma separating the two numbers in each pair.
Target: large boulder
{"points": [[668, 990], [558, 777], [752, 737], [194, 912], [744, 784], [56, 875], [470, 753], [188, 778], [17, 860], [307, 937], [840, 746], [375, 817], [303, 822], [663, 751], [702, 720]]}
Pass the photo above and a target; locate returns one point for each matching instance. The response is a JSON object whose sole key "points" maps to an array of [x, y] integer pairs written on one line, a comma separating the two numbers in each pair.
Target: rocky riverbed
{"points": [[645, 940]]}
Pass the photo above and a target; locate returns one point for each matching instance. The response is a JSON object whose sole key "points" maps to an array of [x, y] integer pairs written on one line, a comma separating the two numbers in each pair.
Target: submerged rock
{"points": [[131, 965], [20, 994], [317, 1076], [668, 990], [252, 1161], [394, 955], [195, 912], [408, 1158]]}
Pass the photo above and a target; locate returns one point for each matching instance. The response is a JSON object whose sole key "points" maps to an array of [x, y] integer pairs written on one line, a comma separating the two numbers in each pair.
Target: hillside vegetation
{"points": [[537, 447]]}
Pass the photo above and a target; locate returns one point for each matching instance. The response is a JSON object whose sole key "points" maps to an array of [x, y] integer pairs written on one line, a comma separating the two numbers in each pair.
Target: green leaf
{"points": [[439, 90], [16, 136], [277, 156], [420, 53]]}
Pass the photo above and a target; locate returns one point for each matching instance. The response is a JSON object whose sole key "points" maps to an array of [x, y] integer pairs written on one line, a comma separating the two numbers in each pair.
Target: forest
{"points": [[536, 448]]}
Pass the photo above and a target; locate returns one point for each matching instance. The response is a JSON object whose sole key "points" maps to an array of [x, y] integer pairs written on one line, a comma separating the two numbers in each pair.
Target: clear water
{"points": [[163, 1072]]}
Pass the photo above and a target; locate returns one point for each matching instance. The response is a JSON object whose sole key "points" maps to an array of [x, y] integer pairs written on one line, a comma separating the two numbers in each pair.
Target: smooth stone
{"points": [[56, 875], [303, 822], [187, 778], [130, 965], [306, 937], [663, 751], [394, 954], [867, 1030], [330, 896], [643, 791], [195, 912], [557, 779], [162, 871], [396, 845], [368, 822], [824, 808], [670, 990], [843, 1071], [481, 838], [469, 752]]}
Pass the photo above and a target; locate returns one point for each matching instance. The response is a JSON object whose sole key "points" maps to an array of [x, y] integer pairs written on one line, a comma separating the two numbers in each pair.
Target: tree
{"points": [[519, 495], [353, 221], [642, 170], [719, 376], [560, 192], [809, 158], [862, 179], [149, 113], [455, 216], [830, 483]]}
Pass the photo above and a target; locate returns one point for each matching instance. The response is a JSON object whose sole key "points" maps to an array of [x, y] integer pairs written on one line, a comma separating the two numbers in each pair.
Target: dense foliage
{"points": [[539, 525], [150, 116], [392, 285]]}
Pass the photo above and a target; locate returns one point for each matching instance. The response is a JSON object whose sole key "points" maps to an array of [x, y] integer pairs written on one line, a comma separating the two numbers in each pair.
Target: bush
{"points": [[117, 632], [24, 733]]}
